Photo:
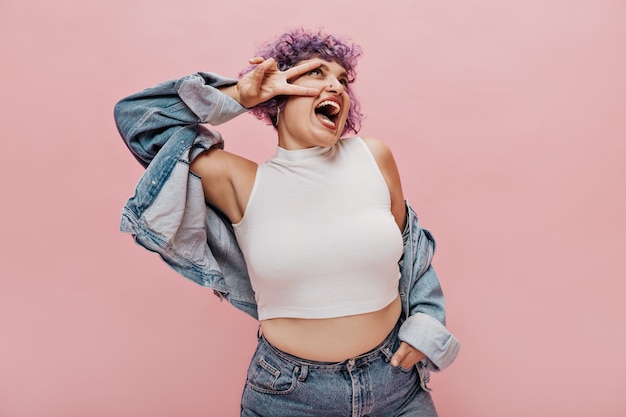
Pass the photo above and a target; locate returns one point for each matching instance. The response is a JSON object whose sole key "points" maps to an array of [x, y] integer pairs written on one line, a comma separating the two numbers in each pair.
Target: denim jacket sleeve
{"points": [[164, 127], [148, 119], [423, 300]]}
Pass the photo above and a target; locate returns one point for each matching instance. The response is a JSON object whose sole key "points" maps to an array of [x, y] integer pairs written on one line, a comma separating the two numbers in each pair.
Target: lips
{"points": [[327, 112]]}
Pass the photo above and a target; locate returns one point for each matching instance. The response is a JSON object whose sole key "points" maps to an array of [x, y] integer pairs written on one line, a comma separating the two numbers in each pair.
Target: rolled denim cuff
{"points": [[432, 338], [201, 95]]}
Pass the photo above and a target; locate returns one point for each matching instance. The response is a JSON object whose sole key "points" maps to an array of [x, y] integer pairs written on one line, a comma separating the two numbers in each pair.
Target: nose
{"points": [[335, 86]]}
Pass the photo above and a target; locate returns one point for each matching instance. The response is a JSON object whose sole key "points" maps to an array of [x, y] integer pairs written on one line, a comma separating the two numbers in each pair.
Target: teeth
{"points": [[327, 120], [336, 107]]}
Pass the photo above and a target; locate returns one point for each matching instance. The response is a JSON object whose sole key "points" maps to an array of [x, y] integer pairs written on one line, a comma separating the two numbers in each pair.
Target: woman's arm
{"points": [[227, 179], [425, 307], [423, 333], [406, 356], [148, 119]]}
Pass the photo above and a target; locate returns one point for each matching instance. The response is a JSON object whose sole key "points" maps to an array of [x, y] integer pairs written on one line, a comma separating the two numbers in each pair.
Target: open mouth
{"points": [[328, 112]]}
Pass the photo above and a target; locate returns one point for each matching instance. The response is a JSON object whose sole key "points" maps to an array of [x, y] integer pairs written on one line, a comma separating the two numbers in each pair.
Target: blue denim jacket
{"points": [[164, 127]]}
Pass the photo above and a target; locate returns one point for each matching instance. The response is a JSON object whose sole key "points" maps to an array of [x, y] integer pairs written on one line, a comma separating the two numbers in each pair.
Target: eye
{"points": [[344, 82], [315, 71]]}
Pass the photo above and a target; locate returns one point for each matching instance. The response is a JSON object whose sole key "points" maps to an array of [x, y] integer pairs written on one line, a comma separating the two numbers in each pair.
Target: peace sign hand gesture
{"points": [[266, 81]]}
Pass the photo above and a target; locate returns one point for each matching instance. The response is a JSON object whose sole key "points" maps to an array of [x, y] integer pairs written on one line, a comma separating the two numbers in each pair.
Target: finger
{"points": [[262, 66], [302, 68], [400, 355], [295, 90], [257, 75], [409, 360], [256, 60], [406, 356]]}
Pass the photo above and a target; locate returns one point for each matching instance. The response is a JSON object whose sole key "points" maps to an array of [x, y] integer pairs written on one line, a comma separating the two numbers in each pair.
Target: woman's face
{"points": [[316, 121]]}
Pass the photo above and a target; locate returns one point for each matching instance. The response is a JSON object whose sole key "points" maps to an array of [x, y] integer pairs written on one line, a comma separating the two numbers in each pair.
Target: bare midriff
{"points": [[333, 339]]}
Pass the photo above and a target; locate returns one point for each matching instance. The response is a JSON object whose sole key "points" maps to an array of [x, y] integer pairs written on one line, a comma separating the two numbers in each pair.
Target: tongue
{"points": [[325, 121]]}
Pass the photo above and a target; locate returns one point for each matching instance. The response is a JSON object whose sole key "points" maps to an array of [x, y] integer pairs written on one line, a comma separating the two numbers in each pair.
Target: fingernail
{"points": [[394, 362]]}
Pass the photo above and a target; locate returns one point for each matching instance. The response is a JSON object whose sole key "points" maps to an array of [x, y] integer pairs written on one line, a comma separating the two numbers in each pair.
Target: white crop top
{"points": [[318, 235]]}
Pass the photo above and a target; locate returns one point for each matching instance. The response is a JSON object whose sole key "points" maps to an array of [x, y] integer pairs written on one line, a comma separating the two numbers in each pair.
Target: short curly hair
{"points": [[298, 45]]}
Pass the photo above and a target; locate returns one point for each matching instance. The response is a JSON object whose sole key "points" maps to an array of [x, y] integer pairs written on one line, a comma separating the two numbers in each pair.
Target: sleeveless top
{"points": [[318, 235]]}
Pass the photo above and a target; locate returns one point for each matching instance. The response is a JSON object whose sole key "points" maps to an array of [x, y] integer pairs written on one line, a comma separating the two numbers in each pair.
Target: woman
{"points": [[317, 242]]}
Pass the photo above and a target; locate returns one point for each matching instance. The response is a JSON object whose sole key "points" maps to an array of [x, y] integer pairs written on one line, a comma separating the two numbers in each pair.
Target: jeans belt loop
{"points": [[304, 371]]}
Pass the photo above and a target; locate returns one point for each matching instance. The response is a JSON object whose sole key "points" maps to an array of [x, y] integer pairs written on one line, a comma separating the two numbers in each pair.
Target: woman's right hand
{"points": [[266, 81]]}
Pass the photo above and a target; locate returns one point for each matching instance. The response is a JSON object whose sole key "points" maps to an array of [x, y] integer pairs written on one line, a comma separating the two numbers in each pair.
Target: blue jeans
{"points": [[281, 385]]}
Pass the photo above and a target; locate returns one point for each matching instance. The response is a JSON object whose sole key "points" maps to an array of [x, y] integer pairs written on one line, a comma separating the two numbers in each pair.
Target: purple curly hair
{"points": [[298, 45]]}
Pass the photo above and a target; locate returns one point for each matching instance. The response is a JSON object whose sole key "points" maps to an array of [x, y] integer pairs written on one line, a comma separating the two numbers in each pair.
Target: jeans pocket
{"points": [[271, 377], [405, 370], [424, 375]]}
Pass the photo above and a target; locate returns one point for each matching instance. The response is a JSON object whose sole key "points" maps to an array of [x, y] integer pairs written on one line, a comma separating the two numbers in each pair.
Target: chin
{"points": [[329, 140]]}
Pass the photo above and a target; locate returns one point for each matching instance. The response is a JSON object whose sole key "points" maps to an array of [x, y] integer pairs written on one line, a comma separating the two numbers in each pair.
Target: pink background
{"points": [[508, 120]]}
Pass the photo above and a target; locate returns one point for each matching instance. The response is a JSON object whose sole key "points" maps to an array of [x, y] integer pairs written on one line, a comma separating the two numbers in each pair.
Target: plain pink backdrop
{"points": [[508, 121]]}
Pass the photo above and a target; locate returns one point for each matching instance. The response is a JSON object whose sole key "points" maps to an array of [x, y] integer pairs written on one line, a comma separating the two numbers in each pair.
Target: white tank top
{"points": [[318, 235]]}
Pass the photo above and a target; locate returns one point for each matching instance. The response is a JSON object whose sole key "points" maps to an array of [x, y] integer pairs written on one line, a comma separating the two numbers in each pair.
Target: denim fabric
{"points": [[165, 128], [281, 385]]}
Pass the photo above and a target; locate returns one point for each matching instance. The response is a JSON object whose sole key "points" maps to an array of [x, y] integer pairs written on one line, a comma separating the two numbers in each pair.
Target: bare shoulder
{"points": [[227, 180], [375, 144], [381, 151]]}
